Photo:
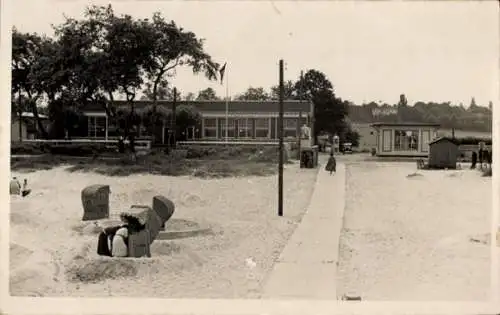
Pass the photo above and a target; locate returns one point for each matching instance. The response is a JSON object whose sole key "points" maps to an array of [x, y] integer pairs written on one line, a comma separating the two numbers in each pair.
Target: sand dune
{"points": [[53, 252]]}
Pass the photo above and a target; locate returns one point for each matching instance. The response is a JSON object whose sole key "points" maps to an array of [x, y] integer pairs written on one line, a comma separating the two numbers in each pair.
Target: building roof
{"points": [[405, 124], [440, 139], [214, 106]]}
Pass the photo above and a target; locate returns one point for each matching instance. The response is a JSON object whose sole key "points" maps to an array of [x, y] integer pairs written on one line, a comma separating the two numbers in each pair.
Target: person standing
{"points": [[121, 145], [131, 139], [474, 160], [331, 165], [480, 155]]}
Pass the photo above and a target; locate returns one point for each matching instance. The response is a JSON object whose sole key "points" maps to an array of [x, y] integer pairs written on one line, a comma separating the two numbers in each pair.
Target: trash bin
{"points": [[309, 157]]}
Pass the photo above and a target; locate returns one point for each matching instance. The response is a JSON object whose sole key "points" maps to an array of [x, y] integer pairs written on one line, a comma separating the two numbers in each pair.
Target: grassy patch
{"points": [[206, 163], [93, 271]]}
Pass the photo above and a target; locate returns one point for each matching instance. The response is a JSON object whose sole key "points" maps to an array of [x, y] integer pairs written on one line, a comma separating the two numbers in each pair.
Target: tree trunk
{"points": [[130, 120], [174, 118], [110, 114], [20, 118], [155, 104], [39, 123]]}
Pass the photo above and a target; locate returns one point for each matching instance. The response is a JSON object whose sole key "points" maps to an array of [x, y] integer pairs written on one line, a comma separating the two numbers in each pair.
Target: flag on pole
{"points": [[221, 71]]}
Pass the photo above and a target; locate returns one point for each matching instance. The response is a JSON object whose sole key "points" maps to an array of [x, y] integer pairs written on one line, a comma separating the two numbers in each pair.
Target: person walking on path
{"points": [[474, 160], [331, 165]]}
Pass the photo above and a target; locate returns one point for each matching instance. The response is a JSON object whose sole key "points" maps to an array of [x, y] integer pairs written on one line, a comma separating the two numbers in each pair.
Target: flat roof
{"points": [[405, 124], [454, 141], [213, 106]]}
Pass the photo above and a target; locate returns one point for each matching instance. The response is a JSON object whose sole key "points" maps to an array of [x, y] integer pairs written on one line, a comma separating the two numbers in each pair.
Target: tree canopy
{"points": [[207, 94], [104, 56], [253, 94], [100, 57]]}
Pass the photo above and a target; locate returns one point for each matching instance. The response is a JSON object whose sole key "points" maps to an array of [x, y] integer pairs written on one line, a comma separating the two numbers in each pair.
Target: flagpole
{"points": [[227, 102]]}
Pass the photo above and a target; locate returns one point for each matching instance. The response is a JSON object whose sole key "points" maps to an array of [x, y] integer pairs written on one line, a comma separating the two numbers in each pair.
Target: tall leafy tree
{"points": [[207, 94], [173, 47], [106, 55], [31, 53], [290, 92], [329, 111], [253, 94], [186, 116], [190, 96], [164, 92], [313, 83], [473, 104], [403, 102]]}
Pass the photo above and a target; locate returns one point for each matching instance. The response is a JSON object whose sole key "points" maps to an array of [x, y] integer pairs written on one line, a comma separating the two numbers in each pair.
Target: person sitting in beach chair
{"points": [[25, 191], [15, 186], [331, 165], [113, 241]]}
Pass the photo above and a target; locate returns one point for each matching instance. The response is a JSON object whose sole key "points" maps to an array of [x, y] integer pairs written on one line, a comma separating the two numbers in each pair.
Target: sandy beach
{"points": [[408, 238], [48, 246]]}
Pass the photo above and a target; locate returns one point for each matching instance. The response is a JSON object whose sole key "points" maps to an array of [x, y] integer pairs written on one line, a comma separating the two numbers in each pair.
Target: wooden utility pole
{"points": [[299, 134], [301, 99], [174, 118], [20, 113], [280, 134]]}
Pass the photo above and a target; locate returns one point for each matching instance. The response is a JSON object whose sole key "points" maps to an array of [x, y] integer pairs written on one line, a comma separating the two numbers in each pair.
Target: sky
{"points": [[370, 51]]}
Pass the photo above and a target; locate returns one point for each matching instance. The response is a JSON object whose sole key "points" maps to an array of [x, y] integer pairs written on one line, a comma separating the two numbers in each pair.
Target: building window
{"points": [[406, 140], [262, 128], [230, 127], [245, 128], [386, 140], [210, 127], [96, 127], [426, 138], [290, 127]]}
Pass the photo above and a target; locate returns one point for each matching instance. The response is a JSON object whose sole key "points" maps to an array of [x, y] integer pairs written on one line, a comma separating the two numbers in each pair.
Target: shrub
{"points": [[72, 149], [25, 148], [93, 271], [199, 152], [220, 152], [472, 141]]}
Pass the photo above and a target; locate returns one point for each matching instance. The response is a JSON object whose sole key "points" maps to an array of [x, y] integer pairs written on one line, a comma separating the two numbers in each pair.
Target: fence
{"points": [[219, 143], [465, 150], [139, 144]]}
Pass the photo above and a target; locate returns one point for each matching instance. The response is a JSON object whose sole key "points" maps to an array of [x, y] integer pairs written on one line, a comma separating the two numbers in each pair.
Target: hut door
{"points": [[451, 158], [190, 133]]}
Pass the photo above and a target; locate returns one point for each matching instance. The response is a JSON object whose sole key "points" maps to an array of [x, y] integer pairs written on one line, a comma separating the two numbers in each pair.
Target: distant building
{"points": [[443, 153], [247, 120], [26, 128], [404, 139], [367, 136]]}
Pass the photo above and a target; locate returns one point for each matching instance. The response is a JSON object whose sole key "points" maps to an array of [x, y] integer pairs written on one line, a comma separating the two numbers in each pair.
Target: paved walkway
{"points": [[307, 266]]}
